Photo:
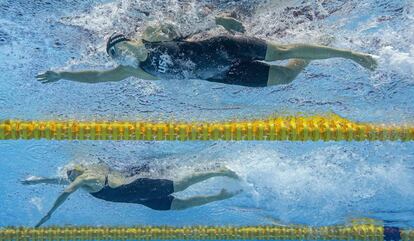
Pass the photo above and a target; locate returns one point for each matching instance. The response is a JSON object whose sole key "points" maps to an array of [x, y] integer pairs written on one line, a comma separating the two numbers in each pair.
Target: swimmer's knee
{"points": [[280, 81], [297, 65], [279, 75], [277, 52], [287, 79], [179, 204]]}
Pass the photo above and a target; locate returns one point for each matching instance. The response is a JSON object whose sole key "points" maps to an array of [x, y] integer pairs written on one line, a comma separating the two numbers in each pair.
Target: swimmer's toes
{"points": [[238, 191], [229, 173], [367, 61], [374, 64]]}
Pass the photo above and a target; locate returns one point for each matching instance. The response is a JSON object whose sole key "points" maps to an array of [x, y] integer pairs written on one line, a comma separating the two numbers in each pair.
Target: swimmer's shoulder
{"points": [[116, 179]]}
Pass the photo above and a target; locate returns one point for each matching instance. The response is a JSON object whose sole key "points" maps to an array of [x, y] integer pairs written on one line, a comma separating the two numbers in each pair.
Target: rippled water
{"points": [[285, 182]]}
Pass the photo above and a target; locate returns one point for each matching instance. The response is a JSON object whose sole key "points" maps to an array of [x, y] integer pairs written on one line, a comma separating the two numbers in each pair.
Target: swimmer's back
{"points": [[205, 59]]}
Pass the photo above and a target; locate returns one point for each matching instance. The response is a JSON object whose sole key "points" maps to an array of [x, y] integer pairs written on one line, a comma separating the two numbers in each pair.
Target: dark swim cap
{"points": [[114, 39]]}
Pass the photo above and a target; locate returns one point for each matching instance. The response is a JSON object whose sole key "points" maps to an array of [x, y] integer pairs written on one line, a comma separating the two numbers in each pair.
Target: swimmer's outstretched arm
{"points": [[94, 76], [75, 185], [33, 180], [310, 52]]}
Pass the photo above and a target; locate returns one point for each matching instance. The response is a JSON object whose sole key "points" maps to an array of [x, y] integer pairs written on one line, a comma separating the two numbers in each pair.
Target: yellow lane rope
{"points": [[355, 232], [312, 128]]}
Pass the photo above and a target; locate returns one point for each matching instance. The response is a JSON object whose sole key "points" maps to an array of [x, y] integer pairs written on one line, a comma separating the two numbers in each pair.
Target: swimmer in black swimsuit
{"points": [[226, 59], [110, 185]]}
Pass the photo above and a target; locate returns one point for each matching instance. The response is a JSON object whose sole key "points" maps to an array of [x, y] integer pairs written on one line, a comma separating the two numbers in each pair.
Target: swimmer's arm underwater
{"points": [[75, 185], [94, 76], [33, 180], [230, 23]]}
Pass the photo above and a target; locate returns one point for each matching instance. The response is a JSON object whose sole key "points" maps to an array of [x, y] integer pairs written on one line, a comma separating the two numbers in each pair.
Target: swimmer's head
{"points": [[112, 41], [126, 51], [75, 171]]}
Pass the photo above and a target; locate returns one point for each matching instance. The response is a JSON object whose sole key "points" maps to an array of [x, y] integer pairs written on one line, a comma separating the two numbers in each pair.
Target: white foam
{"points": [[398, 61], [37, 202]]}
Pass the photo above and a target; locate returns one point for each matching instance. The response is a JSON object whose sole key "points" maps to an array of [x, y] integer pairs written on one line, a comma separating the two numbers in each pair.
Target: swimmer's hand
{"points": [[48, 77], [43, 220], [230, 23], [32, 180]]}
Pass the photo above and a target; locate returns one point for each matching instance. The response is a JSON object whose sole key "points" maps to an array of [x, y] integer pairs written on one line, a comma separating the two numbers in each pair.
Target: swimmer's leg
{"points": [[191, 180], [305, 51], [286, 74], [181, 204]]}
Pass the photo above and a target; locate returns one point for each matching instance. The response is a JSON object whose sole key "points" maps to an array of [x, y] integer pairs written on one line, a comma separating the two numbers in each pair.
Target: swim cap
{"points": [[114, 39]]}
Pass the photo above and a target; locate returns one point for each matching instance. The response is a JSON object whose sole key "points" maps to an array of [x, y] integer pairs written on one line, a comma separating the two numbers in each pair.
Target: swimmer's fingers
{"points": [[243, 29], [230, 24], [374, 64], [236, 25], [48, 77], [49, 81], [370, 63], [239, 27], [31, 180], [43, 75], [40, 77]]}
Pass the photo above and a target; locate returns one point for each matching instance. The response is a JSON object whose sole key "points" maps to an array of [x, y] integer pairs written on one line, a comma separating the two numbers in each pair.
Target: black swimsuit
{"points": [[224, 59], [153, 193]]}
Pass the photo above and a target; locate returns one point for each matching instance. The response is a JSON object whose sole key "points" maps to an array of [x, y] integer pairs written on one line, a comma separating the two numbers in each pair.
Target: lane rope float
{"points": [[354, 232], [289, 128]]}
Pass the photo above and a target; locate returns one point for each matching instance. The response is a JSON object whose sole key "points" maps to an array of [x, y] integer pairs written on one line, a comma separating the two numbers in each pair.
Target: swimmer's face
{"points": [[73, 173], [128, 51]]}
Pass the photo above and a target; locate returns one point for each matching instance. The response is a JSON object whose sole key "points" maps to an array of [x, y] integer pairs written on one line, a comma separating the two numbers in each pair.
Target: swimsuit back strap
{"points": [[106, 180]]}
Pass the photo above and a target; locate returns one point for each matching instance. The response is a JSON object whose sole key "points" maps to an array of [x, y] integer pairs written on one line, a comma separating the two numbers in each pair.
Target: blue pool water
{"points": [[319, 183]]}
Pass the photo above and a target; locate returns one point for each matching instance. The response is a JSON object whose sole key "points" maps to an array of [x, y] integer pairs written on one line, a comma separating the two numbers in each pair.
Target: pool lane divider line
{"points": [[354, 232], [284, 128]]}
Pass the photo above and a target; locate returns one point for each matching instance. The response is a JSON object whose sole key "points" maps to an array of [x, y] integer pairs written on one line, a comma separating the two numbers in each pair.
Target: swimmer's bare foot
{"points": [[365, 60], [226, 194], [226, 172]]}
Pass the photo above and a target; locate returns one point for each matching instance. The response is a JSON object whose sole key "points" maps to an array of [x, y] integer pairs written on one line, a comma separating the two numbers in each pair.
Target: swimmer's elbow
{"points": [[69, 190], [149, 77], [74, 186], [111, 76], [141, 74], [102, 77], [86, 76]]}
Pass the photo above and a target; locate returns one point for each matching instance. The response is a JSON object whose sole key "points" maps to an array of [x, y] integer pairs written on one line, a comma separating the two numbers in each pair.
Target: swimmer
{"points": [[110, 185], [230, 59]]}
